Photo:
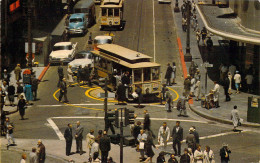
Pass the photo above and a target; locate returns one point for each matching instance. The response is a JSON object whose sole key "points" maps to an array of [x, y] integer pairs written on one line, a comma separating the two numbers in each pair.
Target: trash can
{"points": [[27, 76], [253, 111]]}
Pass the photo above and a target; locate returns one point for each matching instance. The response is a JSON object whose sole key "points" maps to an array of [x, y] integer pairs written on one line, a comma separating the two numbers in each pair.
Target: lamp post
{"points": [[187, 56], [29, 34], [176, 8]]}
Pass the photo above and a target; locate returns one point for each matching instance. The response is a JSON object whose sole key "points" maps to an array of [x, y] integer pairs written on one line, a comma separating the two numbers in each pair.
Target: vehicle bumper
{"points": [[58, 60], [76, 31]]}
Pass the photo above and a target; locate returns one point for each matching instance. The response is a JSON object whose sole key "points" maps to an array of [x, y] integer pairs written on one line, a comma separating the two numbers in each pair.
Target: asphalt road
{"points": [[151, 35]]}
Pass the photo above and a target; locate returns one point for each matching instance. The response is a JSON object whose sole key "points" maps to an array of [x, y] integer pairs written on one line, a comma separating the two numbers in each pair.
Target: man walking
{"points": [[63, 90], [17, 72], [224, 153], [235, 118], [79, 137], [163, 135], [41, 152], [190, 140], [216, 94], [9, 132], [187, 85], [90, 139], [226, 88], [147, 121], [237, 79], [142, 138], [33, 156], [68, 138], [177, 137], [105, 147], [60, 74], [181, 106], [35, 83], [196, 135], [168, 74], [169, 101]]}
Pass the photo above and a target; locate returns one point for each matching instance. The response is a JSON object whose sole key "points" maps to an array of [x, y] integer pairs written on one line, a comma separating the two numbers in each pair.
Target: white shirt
{"points": [[177, 129], [22, 161], [198, 155], [208, 156], [237, 78], [162, 133], [216, 88]]}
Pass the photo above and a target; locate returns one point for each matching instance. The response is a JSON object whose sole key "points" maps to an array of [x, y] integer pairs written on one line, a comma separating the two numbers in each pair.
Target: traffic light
{"points": [[112, 116], [129, 116]]}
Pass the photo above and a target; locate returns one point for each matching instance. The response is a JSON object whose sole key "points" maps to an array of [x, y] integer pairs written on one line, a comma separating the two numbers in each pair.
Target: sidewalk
{"points": [[221, 114]]}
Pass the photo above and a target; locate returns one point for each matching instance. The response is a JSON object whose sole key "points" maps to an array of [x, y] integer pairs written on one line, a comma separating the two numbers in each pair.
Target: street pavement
{"points": [[47, 118]]}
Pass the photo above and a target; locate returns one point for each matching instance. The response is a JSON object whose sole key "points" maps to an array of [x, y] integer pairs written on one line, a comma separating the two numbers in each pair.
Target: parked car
{"points": [[99, 40], [78, 24], [83, 58], [63, 52]]}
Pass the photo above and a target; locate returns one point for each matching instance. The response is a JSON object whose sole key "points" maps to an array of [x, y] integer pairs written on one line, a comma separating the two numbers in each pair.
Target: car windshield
{"points": [[83, 55], [103, 41], [68, 47], [75, 20]]}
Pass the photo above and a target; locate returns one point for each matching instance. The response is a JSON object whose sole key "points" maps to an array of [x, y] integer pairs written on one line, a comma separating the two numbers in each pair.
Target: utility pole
{"points": [[188, 56]]}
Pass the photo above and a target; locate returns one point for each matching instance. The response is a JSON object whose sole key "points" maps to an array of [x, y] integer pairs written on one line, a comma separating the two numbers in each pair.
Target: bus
{"points": [[88, 8], [111, 13], [112, 60]]}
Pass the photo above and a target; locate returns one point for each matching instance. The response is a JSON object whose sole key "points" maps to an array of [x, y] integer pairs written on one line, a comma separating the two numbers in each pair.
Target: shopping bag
{"points": [[141, 145]]}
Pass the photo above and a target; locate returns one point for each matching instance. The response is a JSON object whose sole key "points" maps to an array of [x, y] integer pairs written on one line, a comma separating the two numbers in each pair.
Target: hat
{"points": [[224, 144], [191, 129], [5, 70]]}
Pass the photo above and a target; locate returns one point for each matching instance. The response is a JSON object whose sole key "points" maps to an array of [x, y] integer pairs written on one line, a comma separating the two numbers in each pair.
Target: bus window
{"points": [[110, 12], [155, 73], [147, 74], [116, 12], [138, 75], [104, 12]]}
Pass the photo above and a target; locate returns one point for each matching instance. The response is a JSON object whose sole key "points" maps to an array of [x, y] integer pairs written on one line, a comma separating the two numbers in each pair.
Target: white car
{"points": [[83, 58], [164, 1], [63, 52], [99, 40]]}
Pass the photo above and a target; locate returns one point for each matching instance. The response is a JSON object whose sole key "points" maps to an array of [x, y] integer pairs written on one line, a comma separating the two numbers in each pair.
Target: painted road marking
{"points": [[99, 104], [56, 129]]}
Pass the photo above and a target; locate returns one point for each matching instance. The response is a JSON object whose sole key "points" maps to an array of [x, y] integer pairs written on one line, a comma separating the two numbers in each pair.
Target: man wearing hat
{"points": [[187, 85], [190, 140], [63, 90], [17, 72], [237, 79], [224, 153], [6, 76], [68, 137], [41, 152]]}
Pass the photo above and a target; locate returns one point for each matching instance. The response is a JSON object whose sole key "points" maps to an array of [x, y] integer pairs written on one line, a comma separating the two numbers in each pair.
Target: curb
{"points": [[220, 120], [43, 72]]}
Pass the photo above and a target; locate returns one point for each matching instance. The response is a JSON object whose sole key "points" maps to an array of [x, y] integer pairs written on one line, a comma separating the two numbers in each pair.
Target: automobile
{"points": [[164, 1], [99, 40], [97, 1], [82, 58], [78, 24], [63, 52]]}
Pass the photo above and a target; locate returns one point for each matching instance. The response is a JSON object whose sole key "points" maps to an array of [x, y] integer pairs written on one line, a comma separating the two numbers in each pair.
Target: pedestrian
{"points": [[147, 121], [21, 107], [63, 90], [193, 68], [187, 85], [28, 93], [105, 147], [181, 106], [140, 96], [6, 76], [209, 44], [230, 83], [174, 72], [10, 93], [35, 83], [249, 82], [90, 139], [23, 160], [89, 76], [169, 101], [168, 74], [9, 131], [41, 152], [100, 134], [161, 158], [190, 140], [60, 73], [177, 137], [183, 9], [19, 90], [235, 118], [79, 136], [33, 156], [148, 147], [126, 82], [163, 135], [109, 125], [226, 84], [223, 71], [193, 84], [208, 155], [190, 153], [237, 79], [204, 34], [120, 93], [172, 159], [197, 74], [184, 24], [94, 152], [142, 138], [197, 90], [198, 154], [224, 153], [216, 94], [17, 72], [198, 36], [196, 135], [136, 131], [163, 93], [185, 158], [70, 76], [79, 75], [68, 137]]}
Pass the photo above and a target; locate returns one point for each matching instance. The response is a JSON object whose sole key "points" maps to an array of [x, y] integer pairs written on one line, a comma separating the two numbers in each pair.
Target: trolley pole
{"points": [[121, 137]]}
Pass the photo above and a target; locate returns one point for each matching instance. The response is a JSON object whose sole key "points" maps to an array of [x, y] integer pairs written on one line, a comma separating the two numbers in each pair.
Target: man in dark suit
{"points": [[177, 136], [104, 147], [196, 135], [147, 121], [79, 137], [224, 153], [68, 138], [41, 152], [63, 90]]}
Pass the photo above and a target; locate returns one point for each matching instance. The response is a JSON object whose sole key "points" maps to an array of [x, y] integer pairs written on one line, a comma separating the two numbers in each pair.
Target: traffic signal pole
{"points": [[121, 137]]}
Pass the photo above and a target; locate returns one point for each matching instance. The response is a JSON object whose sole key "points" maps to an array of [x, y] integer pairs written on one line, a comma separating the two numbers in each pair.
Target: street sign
{"points": [[26, 47], [206, 64]]}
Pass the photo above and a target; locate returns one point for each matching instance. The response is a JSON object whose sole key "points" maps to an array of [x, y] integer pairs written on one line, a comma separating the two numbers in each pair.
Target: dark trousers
{"points": [[227, 94], [79, 145], [168, 81], [68, 147], [111, 128], [178, 143], [63, 94], [34, 92], [104, 155]]}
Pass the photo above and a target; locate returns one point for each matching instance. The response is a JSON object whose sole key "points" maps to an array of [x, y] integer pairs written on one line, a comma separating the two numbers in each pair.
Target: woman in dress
{"points": [[192, 88], [235, 118], [149, 147], [70, 75], [197, 90]]}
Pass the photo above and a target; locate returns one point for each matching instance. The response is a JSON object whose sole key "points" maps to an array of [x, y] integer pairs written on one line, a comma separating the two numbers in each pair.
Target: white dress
{"points": [[197, 156], [70, 73], [208, 156], [197, 89], [235, 117], [216, 93], [192, 88]]}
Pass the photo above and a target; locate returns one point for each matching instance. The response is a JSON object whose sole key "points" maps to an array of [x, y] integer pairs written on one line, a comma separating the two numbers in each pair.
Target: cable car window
{"points": [[116, 12], [138, 75], [155, 73], [147, 74], [110, 12], [104, 12]]}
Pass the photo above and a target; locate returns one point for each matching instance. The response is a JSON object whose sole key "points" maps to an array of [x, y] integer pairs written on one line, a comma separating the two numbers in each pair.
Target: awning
{"points": [[219, 21]]}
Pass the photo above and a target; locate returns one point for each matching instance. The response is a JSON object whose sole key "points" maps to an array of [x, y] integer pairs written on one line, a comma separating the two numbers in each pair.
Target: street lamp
{"points": [[187, 56], [29, 34], [176, 8]]}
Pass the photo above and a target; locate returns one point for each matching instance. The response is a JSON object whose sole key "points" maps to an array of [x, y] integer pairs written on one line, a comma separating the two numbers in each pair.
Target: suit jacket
{"points": [[41, 154], [104, 144], [147, 121], [197, 137], [177, 136], [79, 132], [222, 154], [68, 134]]}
